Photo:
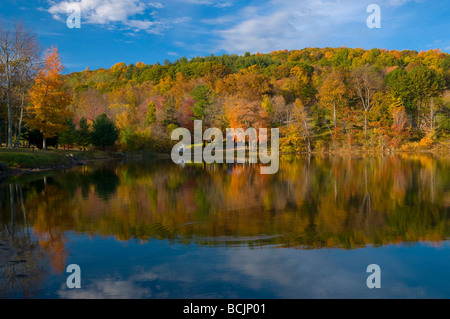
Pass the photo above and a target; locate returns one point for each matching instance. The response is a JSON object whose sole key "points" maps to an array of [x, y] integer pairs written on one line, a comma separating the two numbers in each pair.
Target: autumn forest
{"points": [[321, 99]]}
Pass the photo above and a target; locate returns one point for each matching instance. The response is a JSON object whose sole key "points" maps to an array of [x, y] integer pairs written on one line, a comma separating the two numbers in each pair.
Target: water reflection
{"points": [[343, 202], [21, 256]]}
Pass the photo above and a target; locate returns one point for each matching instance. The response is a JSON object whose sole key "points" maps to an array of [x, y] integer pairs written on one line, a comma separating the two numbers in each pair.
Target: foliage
{"points": [[347, 97], [49, 100], [83, 134], [203, 97], [104, 132], [68, 137]]}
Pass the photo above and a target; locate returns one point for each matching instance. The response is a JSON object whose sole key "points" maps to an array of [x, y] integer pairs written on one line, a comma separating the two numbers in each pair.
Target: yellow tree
{"points": [[298, 129], [48, 99], [332, 94], [400, 129]]}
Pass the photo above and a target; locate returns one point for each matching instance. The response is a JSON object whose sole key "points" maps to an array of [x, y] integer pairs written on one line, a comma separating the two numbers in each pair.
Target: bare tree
{"points": [[282, 111], [19, 49], [366, 82]]}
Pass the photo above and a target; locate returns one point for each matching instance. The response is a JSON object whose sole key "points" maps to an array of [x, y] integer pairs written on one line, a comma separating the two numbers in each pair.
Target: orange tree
{"points": [[49, 101]]}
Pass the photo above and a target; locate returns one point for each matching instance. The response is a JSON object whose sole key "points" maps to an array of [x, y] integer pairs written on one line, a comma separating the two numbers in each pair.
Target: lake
{"points": [[155, 229]]}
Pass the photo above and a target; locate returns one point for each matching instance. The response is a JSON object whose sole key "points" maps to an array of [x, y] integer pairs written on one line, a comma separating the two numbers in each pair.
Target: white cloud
{"points": [[260, 34], [109, 288], [131, 287], [218, 21], [156, 5], [101, 11], [285, 24], [218, 4], [120, 13], [323, 273], [140, 24], [397, 2]]}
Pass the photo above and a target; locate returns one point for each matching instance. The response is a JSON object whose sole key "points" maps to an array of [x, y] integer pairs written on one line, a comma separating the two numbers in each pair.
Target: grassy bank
{"points": [[19, 161], [18, 158], [27, 159]]}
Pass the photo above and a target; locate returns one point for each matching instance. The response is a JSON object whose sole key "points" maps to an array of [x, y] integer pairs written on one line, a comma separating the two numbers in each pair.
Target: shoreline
{"points": [[370, 153], [7, 172], [14, 171], [71, 162]]}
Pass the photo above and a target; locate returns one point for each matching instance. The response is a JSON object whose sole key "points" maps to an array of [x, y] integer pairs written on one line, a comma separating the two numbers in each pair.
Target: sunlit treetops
{"points": [[268, 64]]}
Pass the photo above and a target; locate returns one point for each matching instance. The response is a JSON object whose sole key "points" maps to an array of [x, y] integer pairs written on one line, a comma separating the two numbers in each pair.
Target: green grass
{"points": [[29, 159]]}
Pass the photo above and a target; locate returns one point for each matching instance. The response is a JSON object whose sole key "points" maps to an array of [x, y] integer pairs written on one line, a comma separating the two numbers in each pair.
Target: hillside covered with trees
{"points": [[321, 99]]}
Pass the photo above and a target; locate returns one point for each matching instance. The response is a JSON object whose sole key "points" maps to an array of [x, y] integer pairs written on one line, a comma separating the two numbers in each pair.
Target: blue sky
{"points": [[151, 31]]}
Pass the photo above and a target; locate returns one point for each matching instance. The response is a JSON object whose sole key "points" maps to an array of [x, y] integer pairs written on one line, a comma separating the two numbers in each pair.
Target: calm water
{"points": [[160, 230]]}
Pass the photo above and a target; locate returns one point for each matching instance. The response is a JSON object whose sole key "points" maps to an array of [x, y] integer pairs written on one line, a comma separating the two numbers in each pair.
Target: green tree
{"points": [[68, 137], [83, 133], [104, 132], [150, 116], [204, 98], [398, 83], [425, 85]]}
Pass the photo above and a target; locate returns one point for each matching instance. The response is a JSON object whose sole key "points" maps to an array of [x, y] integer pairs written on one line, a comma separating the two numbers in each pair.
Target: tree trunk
{"points": [[418, 114], [19, 133], [365, 125], [307, 136], [334, 115], [44, 144], [8, 96], [431, 116]]}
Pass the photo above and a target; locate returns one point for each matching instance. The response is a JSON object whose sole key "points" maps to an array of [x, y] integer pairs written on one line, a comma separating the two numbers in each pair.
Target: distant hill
{"points": [[320, 98]]}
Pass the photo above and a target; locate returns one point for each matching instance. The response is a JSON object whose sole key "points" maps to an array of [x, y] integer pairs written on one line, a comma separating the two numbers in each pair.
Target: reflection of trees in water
{"points": [[314, 202], [34, 219], [22, 267], [105, 181], [365, 210], [311, 202]]}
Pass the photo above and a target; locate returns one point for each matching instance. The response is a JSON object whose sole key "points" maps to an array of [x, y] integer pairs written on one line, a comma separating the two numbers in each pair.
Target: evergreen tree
{"points": [[68, 137], [104, 132], [204, 98], [83, 133]]}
